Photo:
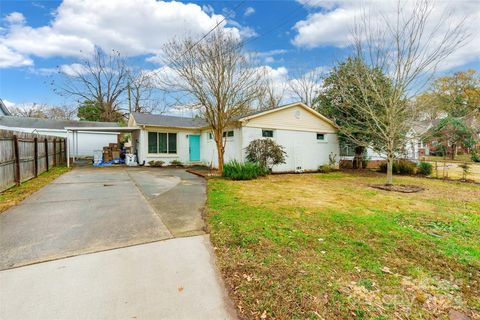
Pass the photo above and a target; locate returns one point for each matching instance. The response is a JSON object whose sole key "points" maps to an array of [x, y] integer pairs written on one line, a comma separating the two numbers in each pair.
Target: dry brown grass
{"points": [[328, 246], [14, 195]]}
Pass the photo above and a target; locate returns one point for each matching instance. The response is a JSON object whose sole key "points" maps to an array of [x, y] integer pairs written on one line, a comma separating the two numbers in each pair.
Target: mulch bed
{"points": [[404, 188], [204, 173]]}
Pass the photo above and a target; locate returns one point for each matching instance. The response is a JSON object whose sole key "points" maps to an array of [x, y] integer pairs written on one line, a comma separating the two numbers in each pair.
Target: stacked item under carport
{"points": [[111, 153]]}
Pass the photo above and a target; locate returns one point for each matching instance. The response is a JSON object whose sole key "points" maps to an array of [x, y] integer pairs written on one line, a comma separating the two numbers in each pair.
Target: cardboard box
{"points": [[106, 149], [115, 154], [113, 146]]}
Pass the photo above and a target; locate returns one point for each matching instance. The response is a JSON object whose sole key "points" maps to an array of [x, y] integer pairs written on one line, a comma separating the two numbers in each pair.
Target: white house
{"points": [[87, 141], [307, 137]]}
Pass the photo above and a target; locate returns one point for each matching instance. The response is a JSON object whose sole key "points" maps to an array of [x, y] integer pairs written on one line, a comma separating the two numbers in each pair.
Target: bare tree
{"points": [[306, 86], [273, 94], [61, 112], [142, 91], [30, 110], [406, 47], [44, 111], [218, 78], [102, 78]]}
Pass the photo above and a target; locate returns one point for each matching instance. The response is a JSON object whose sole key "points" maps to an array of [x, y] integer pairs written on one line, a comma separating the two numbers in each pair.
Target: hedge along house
{"points": [[307, 137]]}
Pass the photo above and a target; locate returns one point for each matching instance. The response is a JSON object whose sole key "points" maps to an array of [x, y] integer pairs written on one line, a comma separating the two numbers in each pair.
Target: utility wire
{"points": [[287, 18]]}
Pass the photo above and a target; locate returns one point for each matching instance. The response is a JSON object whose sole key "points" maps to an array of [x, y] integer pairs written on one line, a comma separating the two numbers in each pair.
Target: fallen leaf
{"points": [[264, 315], [387, 270]]}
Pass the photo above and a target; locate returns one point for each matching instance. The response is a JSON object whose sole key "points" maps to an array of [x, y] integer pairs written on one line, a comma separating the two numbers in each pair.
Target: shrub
{"points": [[365, 162], [383, 167], [265, 152], [324, 168], [425, 168], [177, 163], [399, 167], [466, 170], [346, 164], [475, 157], [332, 159], [243, 171], [406, 167], [157, 163]]}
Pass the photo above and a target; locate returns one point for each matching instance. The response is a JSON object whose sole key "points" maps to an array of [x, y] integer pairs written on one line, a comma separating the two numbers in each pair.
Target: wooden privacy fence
{"points": [[24, 156]]}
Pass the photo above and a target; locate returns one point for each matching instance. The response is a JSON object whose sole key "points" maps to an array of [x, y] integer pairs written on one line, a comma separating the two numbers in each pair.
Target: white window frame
{"points": [[158, 144], [321, 140], [273, 133], [226, 136]]}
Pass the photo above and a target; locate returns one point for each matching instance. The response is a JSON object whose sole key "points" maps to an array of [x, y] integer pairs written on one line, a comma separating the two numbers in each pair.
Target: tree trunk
{"points": [[220, 152], [454, 151], [358, 158], [390, 168]]}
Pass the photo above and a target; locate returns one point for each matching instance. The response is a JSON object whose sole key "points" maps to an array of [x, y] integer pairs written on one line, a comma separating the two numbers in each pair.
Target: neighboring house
{"points": [[87, 141], [3, 109], [307, 137], [417, 147]]}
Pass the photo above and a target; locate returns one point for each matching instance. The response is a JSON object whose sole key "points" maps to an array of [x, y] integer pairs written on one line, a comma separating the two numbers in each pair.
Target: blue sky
{"points": [[291, 37]]}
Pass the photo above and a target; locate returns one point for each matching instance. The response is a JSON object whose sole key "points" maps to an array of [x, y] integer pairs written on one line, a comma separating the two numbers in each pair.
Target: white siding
{"points": [[87, 141], [233, 148], [182, 154], [304, 151]]}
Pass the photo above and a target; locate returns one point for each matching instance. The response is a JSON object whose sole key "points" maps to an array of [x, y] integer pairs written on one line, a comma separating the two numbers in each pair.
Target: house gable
{"points": [[296, 117]]}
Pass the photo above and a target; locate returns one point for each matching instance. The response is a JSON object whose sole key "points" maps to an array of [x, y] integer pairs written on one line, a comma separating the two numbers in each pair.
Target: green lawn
{"points": [[327, 246], [14, 195]]}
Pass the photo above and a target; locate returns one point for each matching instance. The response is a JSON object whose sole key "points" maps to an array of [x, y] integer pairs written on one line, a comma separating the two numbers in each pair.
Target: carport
{"points": [[74, 130]]}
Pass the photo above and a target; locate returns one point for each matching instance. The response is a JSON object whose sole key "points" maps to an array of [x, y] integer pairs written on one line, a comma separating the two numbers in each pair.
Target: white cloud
{"points": [[131, 27], [73, 69], [15, 18], [247, 32], [249, 11], [11, 58], [331, 25], [267, 56]]}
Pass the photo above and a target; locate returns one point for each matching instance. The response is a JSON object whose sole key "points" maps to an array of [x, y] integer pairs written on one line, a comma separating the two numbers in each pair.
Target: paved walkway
{"points": [[87, 247]]}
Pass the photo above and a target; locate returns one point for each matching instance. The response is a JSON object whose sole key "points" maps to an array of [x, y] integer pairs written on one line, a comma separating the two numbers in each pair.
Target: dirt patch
{"points": [[404, 188]]}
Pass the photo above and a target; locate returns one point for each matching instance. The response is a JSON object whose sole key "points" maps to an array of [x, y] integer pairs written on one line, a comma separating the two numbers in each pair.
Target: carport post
{"points": [[73, 146], [67, 149]]}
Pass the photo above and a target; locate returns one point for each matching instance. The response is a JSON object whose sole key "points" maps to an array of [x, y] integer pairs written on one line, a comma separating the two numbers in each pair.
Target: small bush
{"points": [[157, 163], [475, 157], [383, 167], [399, 167], [266, 152], [176, 163], [406, 167], [365, 162], [324, 168], [243, 171], [425, 168], [346, 164]]}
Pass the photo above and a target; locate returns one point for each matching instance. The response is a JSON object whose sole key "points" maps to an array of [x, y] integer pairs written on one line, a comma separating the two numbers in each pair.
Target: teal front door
{"points": [[194, 147]]}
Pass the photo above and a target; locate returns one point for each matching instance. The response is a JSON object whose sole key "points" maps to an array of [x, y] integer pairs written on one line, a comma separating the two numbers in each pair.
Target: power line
{"points": [[287, 18], [206, 34]]}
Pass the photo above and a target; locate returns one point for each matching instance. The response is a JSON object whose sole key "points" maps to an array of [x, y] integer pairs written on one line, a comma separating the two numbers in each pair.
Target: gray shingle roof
{"points": [[26, 122], [168, 121], [3, 109]]}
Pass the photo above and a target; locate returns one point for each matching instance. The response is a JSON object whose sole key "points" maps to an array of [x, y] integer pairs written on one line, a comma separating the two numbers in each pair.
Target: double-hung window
{"points": [[162, 142]]}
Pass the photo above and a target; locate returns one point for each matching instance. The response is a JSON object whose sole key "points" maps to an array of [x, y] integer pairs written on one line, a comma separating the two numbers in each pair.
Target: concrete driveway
{"points": [[88, 246], [89, 210]]}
